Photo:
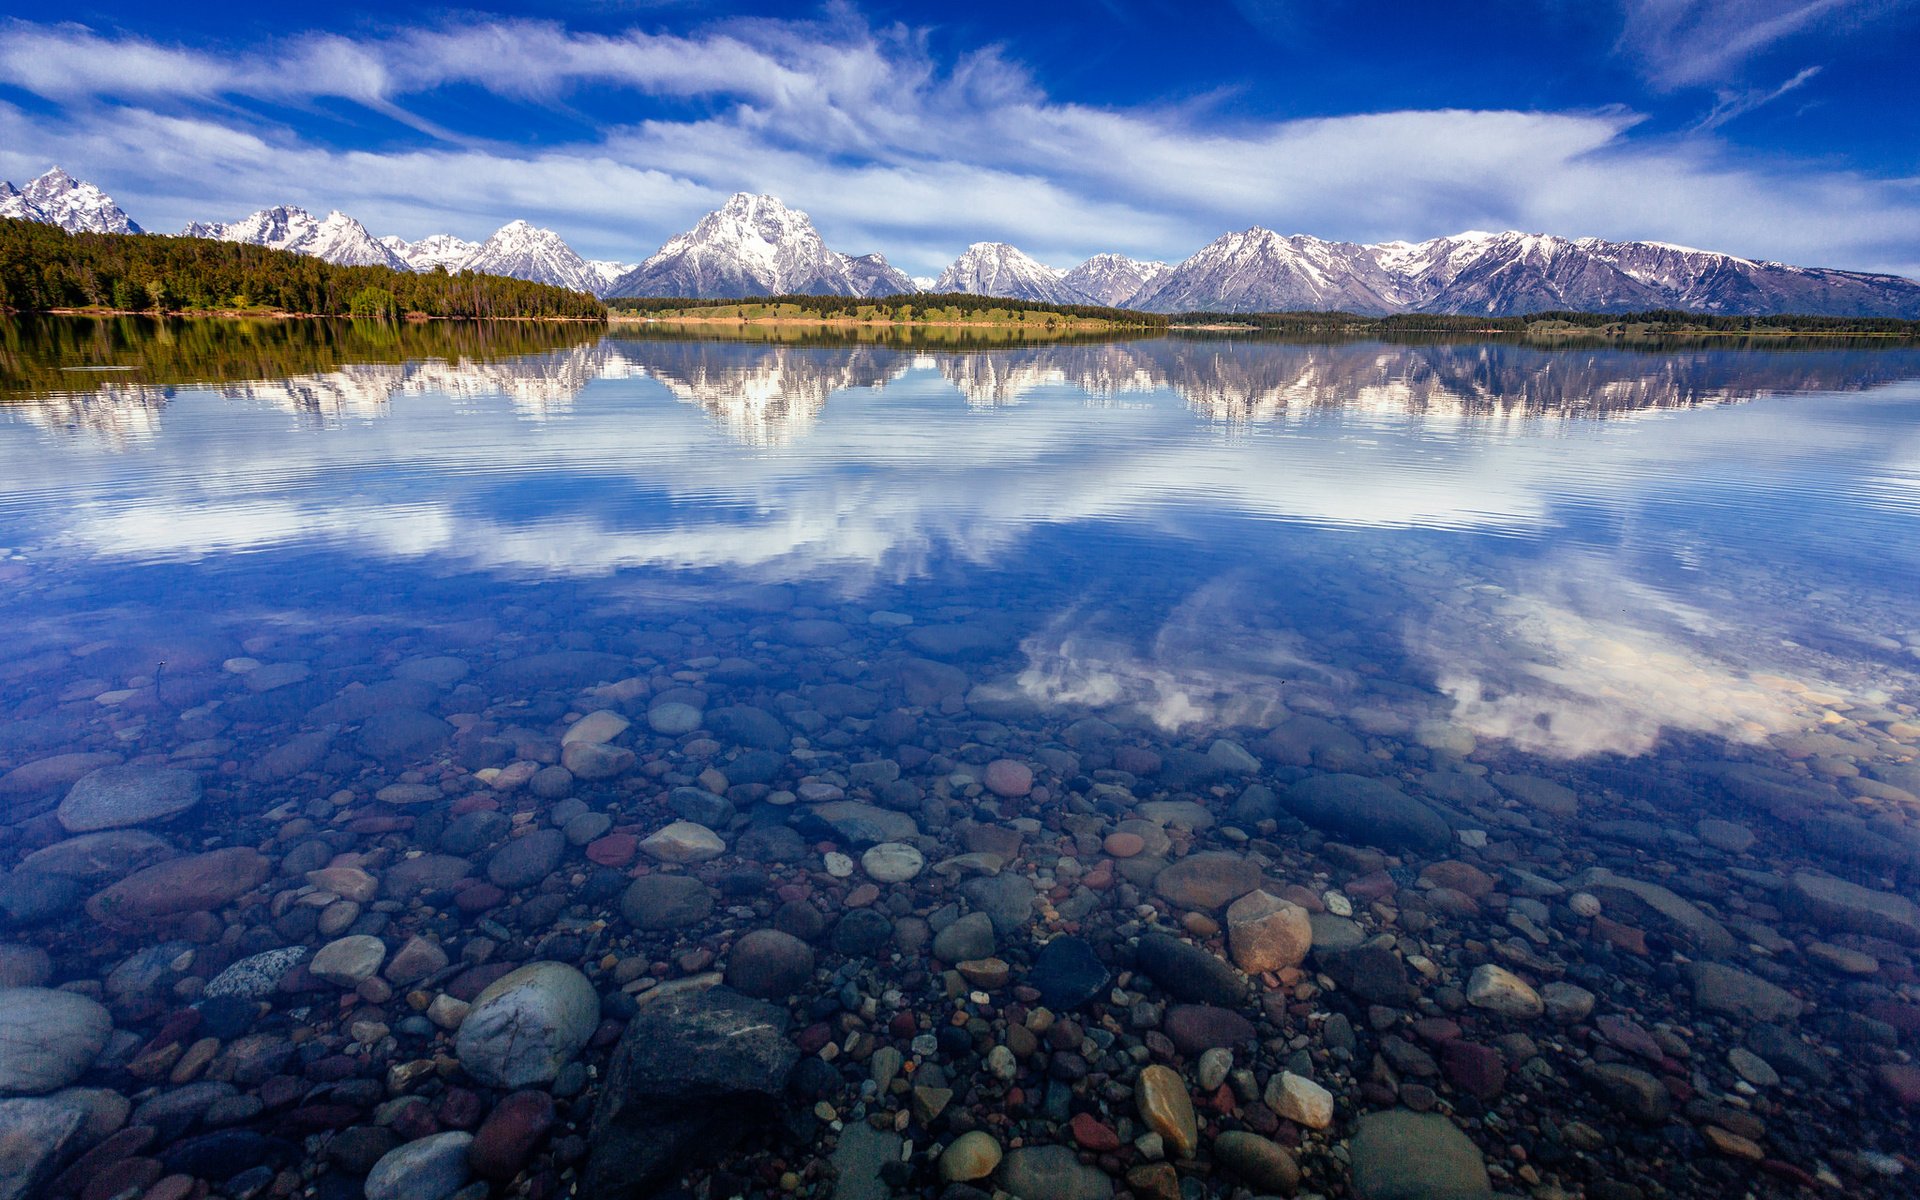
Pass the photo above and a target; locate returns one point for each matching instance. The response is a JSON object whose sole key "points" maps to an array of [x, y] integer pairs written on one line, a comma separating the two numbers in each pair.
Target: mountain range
{"points": [[754, 245]]}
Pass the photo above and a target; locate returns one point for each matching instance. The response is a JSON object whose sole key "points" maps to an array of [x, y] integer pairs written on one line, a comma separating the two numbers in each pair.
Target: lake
{"points": [[1188, 765]]}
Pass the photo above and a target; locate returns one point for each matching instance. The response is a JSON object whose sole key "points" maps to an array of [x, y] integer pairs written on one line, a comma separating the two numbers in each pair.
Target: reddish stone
{"points": [[474, 980], [792, 893], [1377, 885], [1901, 1081], [1005, 777], [1435, 1030], [1091, 1134], [1261, 1119], [1195, 1028], [510, 1135], [1464, 878], [1620, 937], [473, 802], [1628, 1036], [1222, 1100], [176, 1187], [862, 896], [1100, 878], [1475, 1069], [813, 1037], [414, 1120], [281, 1090], [1137, 760], [180, 886], [175, 1028], [613, 850], [370, 825], [1788, 1172], [459, 1108], [479, 898], [129, 1175], [1903, 1017], [903, 1025], [124, 1144]]}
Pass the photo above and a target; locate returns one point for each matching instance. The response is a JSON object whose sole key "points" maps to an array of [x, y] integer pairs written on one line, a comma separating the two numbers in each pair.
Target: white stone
{"points": [[349, 961], [838, 865], [684, 842], [673, 718], [1499, 990], [1300, 1100], [596, 728], [892, 862]]}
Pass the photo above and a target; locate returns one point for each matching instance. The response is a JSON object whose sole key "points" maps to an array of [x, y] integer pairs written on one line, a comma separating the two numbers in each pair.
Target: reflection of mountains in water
{"points": [[763, 395], [768, 394]]}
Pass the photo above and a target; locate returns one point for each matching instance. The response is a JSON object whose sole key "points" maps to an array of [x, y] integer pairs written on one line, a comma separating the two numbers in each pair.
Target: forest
{"points": [[929, 308], [44, 268]]}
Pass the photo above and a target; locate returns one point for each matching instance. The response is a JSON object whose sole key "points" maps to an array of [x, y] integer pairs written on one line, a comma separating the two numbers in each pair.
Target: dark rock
{"points": [[1067, 973], [403, 735], [744, 725], [1373, 973], [657, 902], [1195, 1028], [1369, 811], [511, 1133], [861, 933], [1188, 972], [525, 861], [693, 1070], [769, 964]]}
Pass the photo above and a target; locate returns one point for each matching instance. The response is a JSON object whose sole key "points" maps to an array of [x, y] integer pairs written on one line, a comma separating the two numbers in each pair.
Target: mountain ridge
{"points": [[754, 245]]}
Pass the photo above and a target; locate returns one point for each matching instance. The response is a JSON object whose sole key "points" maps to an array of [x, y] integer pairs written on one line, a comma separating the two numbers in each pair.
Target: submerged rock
{"points": [[1405, 1155], [48, 1038], [117, 797], [528, 1024], [695, 1069]]}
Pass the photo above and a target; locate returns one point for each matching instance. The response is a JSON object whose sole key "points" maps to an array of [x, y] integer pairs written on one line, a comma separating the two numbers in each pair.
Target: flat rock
{"points": [[1404, 1155], [596, 727], [1718, 987], [744, 725], [122, 796], [1051, 1173], [1640, 900], [197, 883], [403, 735], [1300, 1100], [1549, 797], [48, 1038], [1007, 899], [97, 857], [892, 862], [1499, 990], [684, 842], [658, 902], [859, 824], [1369, 811], [349, 961], [1835, 905], [1208, 880], [1373, 973], [1260, 1161], [1067, 973]]}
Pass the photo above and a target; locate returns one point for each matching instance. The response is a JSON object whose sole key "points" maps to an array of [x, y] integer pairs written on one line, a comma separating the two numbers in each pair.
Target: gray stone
{"points": [[48, 1038], [349, 961], [970, 937], [403, 735], [527, 1025], [744, 725], [1838, 906], [659, 902], [1368, 811], [1051, 1173], [257, 976], [99, 857], [117, 797], [1653, 904], [432, 1168], [861, 825], [1405, 1155], [1007, 899], [1631, 1090], [1207, 881], [769, 964], [24, 966], [1724, 989], [525, 861], [36, 1136], [857, 1160]]}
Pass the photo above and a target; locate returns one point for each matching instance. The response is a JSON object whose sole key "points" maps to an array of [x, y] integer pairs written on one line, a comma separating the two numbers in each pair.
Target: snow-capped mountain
{"points": [[57, 198], [1115, 279], [338, 238], [520, 250], [438, 250], [757, 246], [1504, 274], [607, 270], [997, 269]]}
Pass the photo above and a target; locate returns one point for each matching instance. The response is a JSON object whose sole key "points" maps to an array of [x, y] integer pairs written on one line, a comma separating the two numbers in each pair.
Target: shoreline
{"points": [[619, 318], [235, 314]]}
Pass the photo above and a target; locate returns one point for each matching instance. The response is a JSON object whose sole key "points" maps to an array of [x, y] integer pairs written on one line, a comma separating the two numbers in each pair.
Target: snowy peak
{"points": [[337, 238], [57, 198], [1115, 279], [438, 250], [753, 245], [997, 269], [522, 250]]}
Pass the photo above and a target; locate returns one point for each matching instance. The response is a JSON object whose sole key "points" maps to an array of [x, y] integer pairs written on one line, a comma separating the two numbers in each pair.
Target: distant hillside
{"points": [[1664, 322], [43, 268]]}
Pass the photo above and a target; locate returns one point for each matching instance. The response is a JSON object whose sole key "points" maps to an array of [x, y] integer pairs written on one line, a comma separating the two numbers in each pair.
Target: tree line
{"points": [[944, 306], [43, 268]]}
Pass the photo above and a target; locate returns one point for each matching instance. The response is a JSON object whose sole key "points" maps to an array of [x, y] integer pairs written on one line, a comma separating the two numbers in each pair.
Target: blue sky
{"points": [[1784, 129]]}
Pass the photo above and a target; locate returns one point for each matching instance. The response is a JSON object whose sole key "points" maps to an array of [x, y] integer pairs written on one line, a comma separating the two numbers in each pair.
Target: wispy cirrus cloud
{"points": [[1691, 43], [888, 144]]}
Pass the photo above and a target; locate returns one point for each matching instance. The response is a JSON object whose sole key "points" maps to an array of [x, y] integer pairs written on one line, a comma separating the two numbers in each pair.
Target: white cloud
{"points": [[892, 148], [1685, 43]]}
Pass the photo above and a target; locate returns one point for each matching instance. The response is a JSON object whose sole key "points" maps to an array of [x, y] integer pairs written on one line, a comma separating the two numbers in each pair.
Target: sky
{"points": [[1776, 129]]}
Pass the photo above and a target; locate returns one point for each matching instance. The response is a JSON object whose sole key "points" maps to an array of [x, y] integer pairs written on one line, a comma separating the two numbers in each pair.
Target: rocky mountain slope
{"points": [[757, 246], [997, 269], [1115, 279], [57, 198], [337, 238]]}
